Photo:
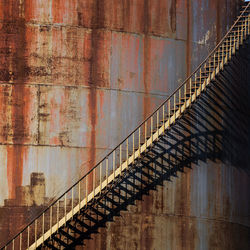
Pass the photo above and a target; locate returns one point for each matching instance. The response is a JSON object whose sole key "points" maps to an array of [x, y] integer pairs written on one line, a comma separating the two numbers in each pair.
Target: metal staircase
{"points": [[151, 154]]}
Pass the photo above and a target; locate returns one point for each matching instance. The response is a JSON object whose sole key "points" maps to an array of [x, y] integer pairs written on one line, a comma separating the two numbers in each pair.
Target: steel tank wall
{"points": [[72, 71]]}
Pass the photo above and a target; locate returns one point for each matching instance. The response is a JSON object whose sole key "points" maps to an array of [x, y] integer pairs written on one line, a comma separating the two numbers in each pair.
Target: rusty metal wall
{"points": [[78, 75]]}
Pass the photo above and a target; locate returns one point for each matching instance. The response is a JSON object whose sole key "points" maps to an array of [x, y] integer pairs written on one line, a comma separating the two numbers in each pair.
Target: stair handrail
{"points": [[139, 126]]}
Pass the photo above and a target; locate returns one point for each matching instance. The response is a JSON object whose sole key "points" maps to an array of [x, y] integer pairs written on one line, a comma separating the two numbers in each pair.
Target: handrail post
{"points": [[169, 112], [195, 84], [238, 38], [230, 48], [65, 208], [86, 190], [139, 141], [100, 177], [120, 157], [107, 169], [157, 123], [163, 117], [174, 107], [133, 137], [190, 89], [36, 233], [43, 226], [20, 242], [28, 238], [185, 94], [50, 221], [151, 130], [127, 151], [72, 202], [113, 164]]}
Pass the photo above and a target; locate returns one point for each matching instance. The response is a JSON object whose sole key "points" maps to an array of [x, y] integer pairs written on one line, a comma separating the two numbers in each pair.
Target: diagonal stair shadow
{"points": [[206, 118], [203, 133]]}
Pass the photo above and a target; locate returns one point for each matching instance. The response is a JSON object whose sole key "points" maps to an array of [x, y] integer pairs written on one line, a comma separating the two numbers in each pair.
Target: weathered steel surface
{"points": [[77, 76], [180, 215]]}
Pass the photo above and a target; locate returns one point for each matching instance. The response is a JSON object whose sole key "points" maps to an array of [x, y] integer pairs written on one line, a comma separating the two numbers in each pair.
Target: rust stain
{"points": [[218, 20], [14, 168], [97, 22], [14, 32], [146, 58], [188, 43], [173, 16]]}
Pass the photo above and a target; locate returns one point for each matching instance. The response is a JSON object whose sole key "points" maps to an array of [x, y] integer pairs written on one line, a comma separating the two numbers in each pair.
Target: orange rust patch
{"points": [[14, 168]]}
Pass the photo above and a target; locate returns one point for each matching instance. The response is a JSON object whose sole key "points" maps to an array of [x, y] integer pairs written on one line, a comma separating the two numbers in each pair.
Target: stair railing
{"points": [[131, 148]]}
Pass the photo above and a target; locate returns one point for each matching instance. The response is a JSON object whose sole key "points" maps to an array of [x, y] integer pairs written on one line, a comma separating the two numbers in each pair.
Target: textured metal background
{"points": [[77, 76]]}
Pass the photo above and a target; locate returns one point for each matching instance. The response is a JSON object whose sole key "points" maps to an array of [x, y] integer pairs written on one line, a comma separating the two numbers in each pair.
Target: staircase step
{"points": [[76, 230], [61, 242], [46, 243], [66, 234], [90, 218]]}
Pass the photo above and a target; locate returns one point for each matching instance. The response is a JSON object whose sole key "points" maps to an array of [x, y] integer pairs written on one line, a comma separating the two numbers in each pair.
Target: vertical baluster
{"points": [[36, 233], [127, 151], [200, 82], [72, 202], [157, 123], [43, 226], [28, 237], [163, 116], [151, 130], [169, 111], [241, 32], [234, 46], [13, 244], [65, 207], [50, 220], [195, 84], [139, 140], [214, 67], [245, 28], [226, 52], [230, 48], [248, 24], [121, 157], [222, 64], [57, 215], [20, 242], [185, 94], [93, 189], [174, 106], [219, 58], [133, 137], [79, 196], [107, 169], [190, 90], [179, 100], [100, 176], [146, 132], [114, 164], [86, 190], [209, 76], [238, 38]]}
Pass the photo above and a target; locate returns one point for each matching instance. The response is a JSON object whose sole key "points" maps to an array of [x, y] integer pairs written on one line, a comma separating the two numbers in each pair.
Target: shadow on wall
{"points": [[215, 128]]}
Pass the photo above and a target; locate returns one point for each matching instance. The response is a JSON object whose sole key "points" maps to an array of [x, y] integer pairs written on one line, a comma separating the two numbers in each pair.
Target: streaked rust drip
{"points": [[14, 169], [14, 24], [218, 20], [188, 43], [173, 16], [146, 58]]}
